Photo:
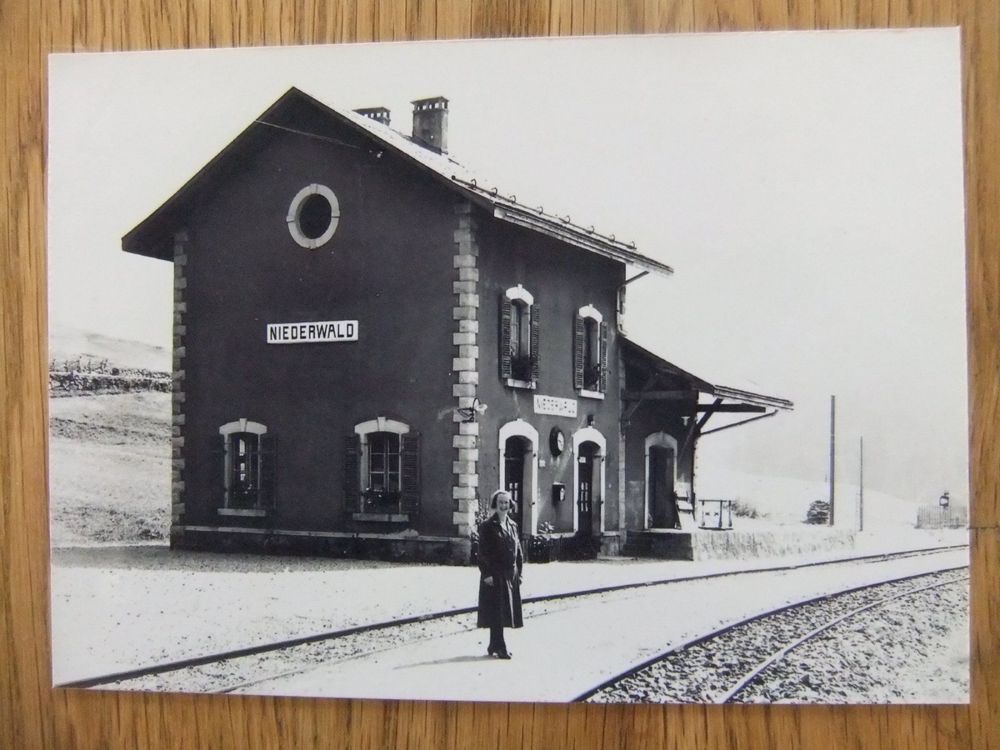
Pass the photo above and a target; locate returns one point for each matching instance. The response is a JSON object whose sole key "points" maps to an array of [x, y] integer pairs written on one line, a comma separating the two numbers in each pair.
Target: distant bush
{"points": [[97, 376], [742, 509], [818, 513]]}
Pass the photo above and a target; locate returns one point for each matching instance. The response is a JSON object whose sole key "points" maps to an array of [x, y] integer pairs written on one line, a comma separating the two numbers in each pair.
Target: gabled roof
{"points": [[700, 384], [149, 237]]}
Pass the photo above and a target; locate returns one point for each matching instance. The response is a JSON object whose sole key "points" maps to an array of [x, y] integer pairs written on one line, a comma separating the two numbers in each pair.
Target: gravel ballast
{"points": [[906, 650]]}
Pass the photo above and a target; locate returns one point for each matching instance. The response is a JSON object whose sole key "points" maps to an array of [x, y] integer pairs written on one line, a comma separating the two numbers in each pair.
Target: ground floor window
{"points": [[244, 479], [382, 491], [382, 468], [248, 460]]}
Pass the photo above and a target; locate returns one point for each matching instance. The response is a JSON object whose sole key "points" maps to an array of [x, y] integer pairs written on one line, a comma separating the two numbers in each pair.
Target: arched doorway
{"points": [[586, 496], [518, 442], [661, 477], [589, 450], [662, 504], [515, 450]]}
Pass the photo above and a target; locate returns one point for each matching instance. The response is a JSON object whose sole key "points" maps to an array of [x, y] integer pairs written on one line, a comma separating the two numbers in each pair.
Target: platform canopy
{"points": [[666, 381]]}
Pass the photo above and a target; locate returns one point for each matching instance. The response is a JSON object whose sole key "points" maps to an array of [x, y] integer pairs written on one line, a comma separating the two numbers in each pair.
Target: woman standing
{"points": [[500, 565]]}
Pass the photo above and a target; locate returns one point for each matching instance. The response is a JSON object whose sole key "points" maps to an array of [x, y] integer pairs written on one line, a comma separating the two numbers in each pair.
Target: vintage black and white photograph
{"points": [[611, 370]]}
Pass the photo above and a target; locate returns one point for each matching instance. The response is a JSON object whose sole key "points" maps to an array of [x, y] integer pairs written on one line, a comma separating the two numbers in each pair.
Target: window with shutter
{"points": [[383, 457], [220, 462], [410, 472], [519, 338], [604, 357], [590, 355], [246, 468], [535, 351], [382, 489], [352, 473], [267, 467], [506, 321]]}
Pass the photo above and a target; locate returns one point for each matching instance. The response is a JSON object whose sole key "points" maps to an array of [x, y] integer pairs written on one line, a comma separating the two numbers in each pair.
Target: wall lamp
{"points": [[469, 413]]}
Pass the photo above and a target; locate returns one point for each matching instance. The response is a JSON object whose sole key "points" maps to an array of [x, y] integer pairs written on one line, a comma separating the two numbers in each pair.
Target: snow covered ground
{"points": [[109, 468], [120, 608]]}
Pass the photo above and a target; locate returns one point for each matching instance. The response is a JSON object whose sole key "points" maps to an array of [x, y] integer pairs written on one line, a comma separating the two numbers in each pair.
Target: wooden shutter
{"points": [[352, 473], [267, 467], [220, 470], [579, 331], [604, 357], [506, 314], [409, 447], [536, 351]]}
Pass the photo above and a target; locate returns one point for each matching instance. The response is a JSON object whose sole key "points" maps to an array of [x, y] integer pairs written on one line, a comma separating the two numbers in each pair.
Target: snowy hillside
{"points": [[67, 343], [785, 501]]}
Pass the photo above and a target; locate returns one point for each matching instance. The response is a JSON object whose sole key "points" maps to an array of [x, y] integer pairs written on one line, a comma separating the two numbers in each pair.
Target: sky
{"points": [[807, 188]]}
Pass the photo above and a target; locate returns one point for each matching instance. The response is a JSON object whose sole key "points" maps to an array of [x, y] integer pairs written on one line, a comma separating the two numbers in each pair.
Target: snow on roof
{"points": [[505, 205], [151, 236]]}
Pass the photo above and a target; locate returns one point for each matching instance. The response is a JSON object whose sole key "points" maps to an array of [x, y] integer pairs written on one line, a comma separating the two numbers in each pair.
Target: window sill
{"points": [[382, 517], [591, 394], [528, 385], [251, 512]]}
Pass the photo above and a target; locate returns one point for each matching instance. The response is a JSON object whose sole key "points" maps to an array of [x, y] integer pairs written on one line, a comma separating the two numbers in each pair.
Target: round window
{"points": [[313, 216]]}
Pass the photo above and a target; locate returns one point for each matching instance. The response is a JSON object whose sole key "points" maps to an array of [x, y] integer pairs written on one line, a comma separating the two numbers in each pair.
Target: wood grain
{"points": [[34, 716]]}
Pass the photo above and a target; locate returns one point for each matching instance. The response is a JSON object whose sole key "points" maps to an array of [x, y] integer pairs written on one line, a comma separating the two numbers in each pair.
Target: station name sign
{"points": [[557, 407], [320, 332]]}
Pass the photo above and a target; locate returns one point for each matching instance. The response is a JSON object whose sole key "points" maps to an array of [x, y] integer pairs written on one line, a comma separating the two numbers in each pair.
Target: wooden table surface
{"points": [[32, 715]]}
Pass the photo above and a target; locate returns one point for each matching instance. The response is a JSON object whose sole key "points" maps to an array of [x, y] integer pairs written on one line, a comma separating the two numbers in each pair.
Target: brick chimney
{"points": [[378, 114], [430, 123]]}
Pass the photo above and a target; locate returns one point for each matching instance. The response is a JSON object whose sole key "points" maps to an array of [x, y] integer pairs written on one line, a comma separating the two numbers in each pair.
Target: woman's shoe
{"points": [[491, 651], [504, 654]]}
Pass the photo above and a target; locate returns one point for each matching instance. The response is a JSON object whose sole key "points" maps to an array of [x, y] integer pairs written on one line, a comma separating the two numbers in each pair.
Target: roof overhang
{"points": [[586, 238], [699, 385], [152, 237]]}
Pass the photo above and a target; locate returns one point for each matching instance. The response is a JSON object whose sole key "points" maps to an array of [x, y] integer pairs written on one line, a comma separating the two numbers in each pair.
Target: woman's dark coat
{"points": [[500, 557]]}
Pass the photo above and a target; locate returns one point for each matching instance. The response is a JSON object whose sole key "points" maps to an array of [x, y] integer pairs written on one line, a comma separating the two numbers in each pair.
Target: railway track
{"points": [[732, 664], [346, 643]]}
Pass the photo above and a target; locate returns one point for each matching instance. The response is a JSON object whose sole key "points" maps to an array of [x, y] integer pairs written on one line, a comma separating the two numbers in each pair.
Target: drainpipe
{"points": [[621, 299]]}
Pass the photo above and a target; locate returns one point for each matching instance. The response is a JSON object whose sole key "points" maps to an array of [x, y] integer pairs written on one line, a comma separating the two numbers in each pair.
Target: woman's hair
{"points": [[496, 496]]}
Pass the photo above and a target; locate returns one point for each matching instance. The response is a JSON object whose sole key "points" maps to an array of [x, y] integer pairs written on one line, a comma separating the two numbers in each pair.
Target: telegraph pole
{"points": [[833, 452], [861, 487]]}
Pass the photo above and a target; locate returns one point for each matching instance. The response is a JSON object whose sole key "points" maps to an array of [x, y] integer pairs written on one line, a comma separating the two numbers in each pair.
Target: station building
{"points": [[369, 339]]}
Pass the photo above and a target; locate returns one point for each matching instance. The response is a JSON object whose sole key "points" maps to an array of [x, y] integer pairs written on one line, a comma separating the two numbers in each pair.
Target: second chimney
{"points": [[430, 123], [378, 114]]}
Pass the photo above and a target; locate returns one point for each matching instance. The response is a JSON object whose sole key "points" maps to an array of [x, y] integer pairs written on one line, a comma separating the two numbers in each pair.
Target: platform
{"points": [[715, 544]]}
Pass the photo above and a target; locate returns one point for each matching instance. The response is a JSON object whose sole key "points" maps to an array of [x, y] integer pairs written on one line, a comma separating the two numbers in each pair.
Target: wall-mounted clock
{"points": [[557, 441]]}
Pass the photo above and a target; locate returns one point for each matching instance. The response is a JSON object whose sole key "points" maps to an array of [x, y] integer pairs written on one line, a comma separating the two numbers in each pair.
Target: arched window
{"points": [[382, 469], [247, 468], [520, 329], [590, 353], [244, 469], [519, 338]]}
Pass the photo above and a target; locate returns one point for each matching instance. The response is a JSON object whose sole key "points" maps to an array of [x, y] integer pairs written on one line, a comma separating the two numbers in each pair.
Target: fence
{"points": [[936, 517], [715, 514]]}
